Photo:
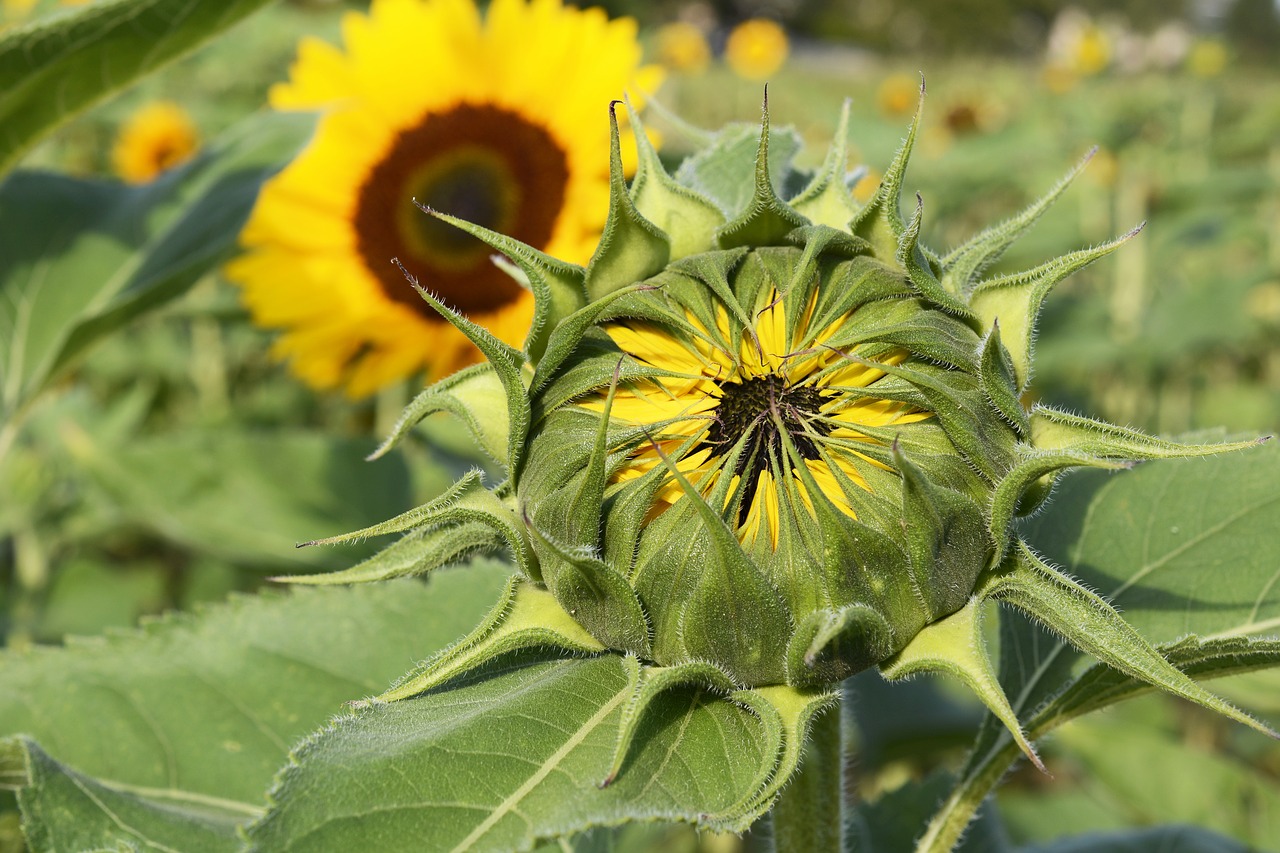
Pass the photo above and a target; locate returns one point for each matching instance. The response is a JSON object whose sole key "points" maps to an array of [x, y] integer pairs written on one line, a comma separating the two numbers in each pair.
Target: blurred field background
{"points": [[179, 462]]}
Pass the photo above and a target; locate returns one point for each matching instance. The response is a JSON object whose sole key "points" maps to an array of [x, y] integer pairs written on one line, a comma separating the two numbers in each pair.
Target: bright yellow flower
{"points": [[756, 48], [1092, 51], [708, 392], [157, 137], [1208, 58], [497, 120], [898, 95], [683, 47]]}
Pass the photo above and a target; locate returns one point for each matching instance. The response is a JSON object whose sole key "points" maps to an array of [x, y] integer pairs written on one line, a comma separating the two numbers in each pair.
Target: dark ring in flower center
{"points": [[482, 163], [756, 406]]}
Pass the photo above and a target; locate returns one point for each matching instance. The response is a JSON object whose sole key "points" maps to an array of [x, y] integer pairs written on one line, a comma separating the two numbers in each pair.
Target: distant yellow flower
{"points": [[756, 48], [497, 120], [1263, 302], [157, 137], [17, 10], [867, 185], [898, 95], [1078, 47], [1208, 58], [1059, 79], [1092, 51], [1104, 168], [683, 47]]}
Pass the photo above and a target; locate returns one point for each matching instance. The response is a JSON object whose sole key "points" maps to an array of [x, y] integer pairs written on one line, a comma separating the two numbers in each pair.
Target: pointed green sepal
{"points": [[713, 270], [828, 646], [465, 501], [647, 683], [954, 645], [419, 551], [476, 396], [953, 398], [631, 248], [689, 219], [768, 219], [584, 522], [788, 714], [1054, 429], [1088, 622], [1015, 300], [880, 222], [920, 273], [734, 614], [567, 336], [828, 200], [508, 364], [1036, 472], [999, 381], [963, 266], [526, 617], [559, 288], [945, 535], [594, 594]]}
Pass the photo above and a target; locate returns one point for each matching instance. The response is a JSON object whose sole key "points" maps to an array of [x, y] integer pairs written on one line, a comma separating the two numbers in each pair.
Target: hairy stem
{"points": [[979, 780], [810, 813]]}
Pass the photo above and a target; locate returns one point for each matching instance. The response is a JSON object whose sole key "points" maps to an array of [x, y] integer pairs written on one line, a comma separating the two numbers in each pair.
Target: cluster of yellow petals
{"points": [[679, 405]]}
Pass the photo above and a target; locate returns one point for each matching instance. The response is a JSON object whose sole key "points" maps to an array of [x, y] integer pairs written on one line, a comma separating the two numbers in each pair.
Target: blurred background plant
{"points": [[155, 453]]}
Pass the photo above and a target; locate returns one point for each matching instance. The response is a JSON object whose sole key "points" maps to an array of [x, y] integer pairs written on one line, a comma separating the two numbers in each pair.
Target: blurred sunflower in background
{"points": [[756, 49], [1207, 57], [153, 139], [683, 47], [15, 10], [1078, 47], [897, 95], [495, 119]]}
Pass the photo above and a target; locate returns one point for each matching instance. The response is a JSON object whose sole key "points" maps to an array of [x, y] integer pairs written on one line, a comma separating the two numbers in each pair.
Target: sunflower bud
{"points": [[763, 442]]}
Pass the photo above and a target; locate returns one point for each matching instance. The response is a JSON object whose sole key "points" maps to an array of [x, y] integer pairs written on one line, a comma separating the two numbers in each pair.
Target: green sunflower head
{"points": [[766, 438]]}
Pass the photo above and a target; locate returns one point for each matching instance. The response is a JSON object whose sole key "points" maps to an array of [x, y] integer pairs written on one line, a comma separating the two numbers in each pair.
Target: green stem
{"points": [[955, 815], [209, 360], [8, 435], [388, 405], [31, 577], [810, 813]]}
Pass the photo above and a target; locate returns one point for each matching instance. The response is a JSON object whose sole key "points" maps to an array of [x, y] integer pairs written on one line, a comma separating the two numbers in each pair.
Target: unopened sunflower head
{"points": [[763, 441]]}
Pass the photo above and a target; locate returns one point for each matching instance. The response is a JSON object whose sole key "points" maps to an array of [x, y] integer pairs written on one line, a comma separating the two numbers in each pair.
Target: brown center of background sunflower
{"points": [[481, 163]]}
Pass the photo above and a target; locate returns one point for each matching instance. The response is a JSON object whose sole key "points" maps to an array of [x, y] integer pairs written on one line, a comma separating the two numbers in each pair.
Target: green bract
{"points": [[763, 443]]}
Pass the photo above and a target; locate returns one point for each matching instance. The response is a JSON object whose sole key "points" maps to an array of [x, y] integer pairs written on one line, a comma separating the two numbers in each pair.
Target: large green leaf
{"points": [[54, 69], [1188, 553], [1142, 765], [512, 755], [235, 493], [1145, 763], [79, 258], [1159, 839], [192, 715], [66, 810]]}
